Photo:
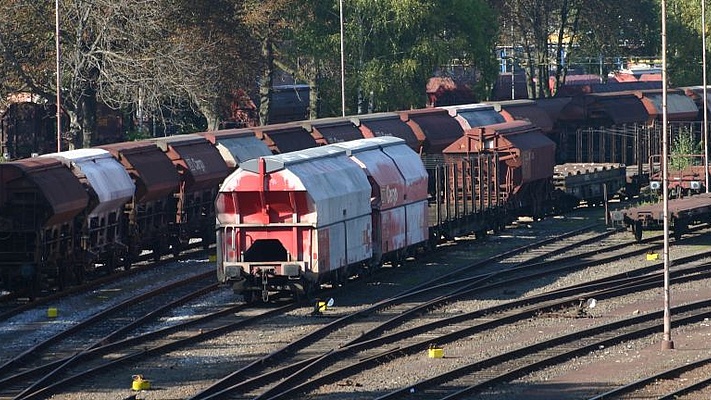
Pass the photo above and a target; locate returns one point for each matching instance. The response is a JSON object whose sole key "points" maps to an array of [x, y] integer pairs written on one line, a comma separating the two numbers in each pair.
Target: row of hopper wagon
{"points": [[67, 214]]}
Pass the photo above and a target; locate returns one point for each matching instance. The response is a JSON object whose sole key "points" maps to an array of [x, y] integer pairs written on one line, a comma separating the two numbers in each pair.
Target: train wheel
{"points": [[637, 230], [251, 296], [680, 227], [175, 249]]}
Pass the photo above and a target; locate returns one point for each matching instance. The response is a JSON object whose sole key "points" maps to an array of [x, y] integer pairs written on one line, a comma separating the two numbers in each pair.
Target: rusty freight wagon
{"points": [[200, 168], [525, 158], [102, 236], [152, 208], [39, 198]]}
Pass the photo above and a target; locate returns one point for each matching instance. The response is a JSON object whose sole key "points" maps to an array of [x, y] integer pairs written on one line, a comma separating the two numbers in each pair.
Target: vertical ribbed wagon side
{"points": [[153, 205], [399, 199], [291, 221]]}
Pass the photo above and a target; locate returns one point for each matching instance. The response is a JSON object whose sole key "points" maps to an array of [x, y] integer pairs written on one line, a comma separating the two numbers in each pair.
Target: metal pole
{"points": [[343, 63], [667, 342], [59, 109], [704, 130], [513, 66]]}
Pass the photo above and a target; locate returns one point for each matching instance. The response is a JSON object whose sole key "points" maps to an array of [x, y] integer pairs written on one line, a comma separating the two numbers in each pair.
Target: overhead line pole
{"points": [[59, 110], [667, 342], [705, 129], [343, 64]]}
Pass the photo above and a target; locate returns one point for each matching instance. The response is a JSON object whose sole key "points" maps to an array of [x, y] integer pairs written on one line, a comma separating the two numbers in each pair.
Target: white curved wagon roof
{"points": [[107, 177], [383, 152], [337, 187]]}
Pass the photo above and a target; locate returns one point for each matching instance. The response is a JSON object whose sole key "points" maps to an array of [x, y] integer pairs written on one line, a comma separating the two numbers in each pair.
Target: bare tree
{"points": [[551, 31], [141, 55]]}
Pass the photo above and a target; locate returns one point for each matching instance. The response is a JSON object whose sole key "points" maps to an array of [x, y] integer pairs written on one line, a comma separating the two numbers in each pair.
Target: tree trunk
{"points": [[74, 140], [314, 95], [213, 121], [265, 87], [86, 115]]}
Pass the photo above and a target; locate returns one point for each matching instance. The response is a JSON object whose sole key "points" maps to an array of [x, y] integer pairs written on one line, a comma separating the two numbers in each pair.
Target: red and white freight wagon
{"points": [[289, 222]]}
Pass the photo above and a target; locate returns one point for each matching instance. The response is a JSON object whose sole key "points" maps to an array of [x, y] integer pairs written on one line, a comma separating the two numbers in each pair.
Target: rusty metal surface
{"points": [[237, 145], [535, 154], [680, 107], [198, 162], [333, 130], [687, 208], [153, 173], [611, 108], [585, 180], [525, 110], [473, 115], [553, 106], [521, 145], [111, 186], [40, 184], [387, 124], [437, 126], [285, 138]]}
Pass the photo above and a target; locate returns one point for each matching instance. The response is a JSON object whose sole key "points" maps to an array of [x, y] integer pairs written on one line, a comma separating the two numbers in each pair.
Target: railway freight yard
{"points": [[485, 200], [437, 259], [560, 308]]}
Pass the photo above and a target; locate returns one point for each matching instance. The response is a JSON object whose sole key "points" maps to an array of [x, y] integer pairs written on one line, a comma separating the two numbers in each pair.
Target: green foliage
{"points": [[134, 135], [391, 47], [683, 149]]}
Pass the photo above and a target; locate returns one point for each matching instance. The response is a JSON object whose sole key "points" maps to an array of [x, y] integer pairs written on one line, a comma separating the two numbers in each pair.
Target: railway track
{"points": [[252, 380], [11, 305], [480, 376], [40, 362], [692, 378], [344, 363], [78, 369], [159, 342]]}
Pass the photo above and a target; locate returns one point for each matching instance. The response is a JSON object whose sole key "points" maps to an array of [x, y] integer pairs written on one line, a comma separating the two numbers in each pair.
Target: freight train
{"points": [[67, 213], [63, 215], [290, 222]]}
